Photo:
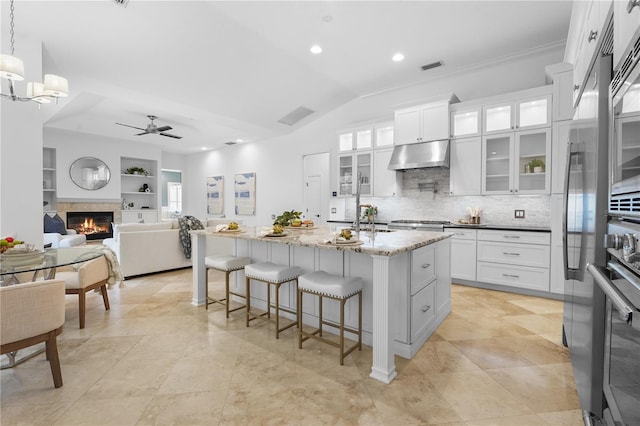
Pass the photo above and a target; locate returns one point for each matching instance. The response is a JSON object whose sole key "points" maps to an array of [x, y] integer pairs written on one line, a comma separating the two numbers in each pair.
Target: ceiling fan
{"points": [[153, 129]]}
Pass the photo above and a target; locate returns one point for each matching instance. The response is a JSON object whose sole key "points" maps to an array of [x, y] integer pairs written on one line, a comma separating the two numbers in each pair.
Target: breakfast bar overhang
{"points": [[407, 276]]}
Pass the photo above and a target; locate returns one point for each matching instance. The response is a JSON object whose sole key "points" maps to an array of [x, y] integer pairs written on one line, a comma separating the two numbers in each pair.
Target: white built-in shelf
{"points": [[139, 193]]}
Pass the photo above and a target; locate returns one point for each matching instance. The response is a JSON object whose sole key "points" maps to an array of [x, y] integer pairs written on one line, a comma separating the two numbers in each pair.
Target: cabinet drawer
{"points": [[462, 233], [515, 254], [515, 236], [423, 267], [423, 310], [514, 276]]}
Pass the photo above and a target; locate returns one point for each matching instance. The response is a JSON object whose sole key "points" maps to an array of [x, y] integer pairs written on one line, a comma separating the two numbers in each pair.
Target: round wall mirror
{"points": [[90, 173]]}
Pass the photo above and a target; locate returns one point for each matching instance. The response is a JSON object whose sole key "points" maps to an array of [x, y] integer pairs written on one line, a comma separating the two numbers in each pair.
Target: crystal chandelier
{"points": [[12, 68]]}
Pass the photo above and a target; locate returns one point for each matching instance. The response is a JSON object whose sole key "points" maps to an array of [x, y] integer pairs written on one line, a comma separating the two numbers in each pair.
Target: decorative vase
{"points": [[475, 220], [537, 169]]}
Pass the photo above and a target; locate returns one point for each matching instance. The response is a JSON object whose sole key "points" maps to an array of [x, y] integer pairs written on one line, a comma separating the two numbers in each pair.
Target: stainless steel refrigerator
{"points": [[584, 226]]}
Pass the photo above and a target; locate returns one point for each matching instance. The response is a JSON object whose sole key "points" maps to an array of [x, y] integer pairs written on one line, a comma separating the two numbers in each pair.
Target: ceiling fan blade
{"points": [[171, 136], [140, 134], [133, 127], [164, 128]]}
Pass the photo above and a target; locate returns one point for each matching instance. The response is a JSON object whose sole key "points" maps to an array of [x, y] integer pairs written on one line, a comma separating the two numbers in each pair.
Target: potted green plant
{"points": [[370, 213], [536, 165], [286, 217], [137, 171]]}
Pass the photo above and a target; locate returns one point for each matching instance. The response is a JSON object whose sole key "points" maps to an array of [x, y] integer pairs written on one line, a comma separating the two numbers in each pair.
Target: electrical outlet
{"points": [[273, 217], [518, 214]]}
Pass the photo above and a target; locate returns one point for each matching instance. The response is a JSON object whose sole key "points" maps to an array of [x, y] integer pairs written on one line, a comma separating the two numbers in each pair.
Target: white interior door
{"points": [[316, 187], [312, 198]]}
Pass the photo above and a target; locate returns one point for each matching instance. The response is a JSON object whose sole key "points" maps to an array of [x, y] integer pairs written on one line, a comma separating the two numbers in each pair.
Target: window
{"points": [[174, 195]]}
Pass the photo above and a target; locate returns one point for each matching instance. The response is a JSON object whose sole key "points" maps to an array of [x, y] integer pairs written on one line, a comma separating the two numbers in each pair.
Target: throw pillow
{"points": [[54, 224]]}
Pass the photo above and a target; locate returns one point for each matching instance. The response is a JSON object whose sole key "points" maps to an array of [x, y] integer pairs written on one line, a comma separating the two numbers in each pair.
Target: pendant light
{"points": [[12, 69]]}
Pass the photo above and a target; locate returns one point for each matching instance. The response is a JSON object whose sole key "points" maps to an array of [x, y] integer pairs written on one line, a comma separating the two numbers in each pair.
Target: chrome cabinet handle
{"points": [[632, 4], [592, 36], [510, 254], [511, 236], [576, 87], [425, 308], [511, 276], [426, 265]]}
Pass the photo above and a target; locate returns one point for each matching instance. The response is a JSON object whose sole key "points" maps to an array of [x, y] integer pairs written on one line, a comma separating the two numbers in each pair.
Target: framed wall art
{"points": [[245, 193], [215, 195]]}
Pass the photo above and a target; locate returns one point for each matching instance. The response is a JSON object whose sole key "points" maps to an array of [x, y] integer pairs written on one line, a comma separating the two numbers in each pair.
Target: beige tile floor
{"points": [[156, 359]]}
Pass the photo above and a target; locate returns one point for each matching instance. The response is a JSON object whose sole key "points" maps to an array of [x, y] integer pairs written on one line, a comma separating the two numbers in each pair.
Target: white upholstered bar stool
{"points": [[323, 284], [276, 275], [226, 264]]}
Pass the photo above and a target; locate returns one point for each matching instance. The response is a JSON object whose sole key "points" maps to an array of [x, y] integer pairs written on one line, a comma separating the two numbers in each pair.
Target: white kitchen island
{"points": [[407, 281]]}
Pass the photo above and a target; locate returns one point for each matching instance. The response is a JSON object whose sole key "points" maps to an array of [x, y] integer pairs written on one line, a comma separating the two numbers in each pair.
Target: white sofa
{"points": [[70, 240], [143, 248]]}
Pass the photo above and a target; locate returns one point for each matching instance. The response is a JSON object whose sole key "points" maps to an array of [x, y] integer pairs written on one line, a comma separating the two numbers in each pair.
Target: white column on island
{"points": [[383, 368], [198, 253]]}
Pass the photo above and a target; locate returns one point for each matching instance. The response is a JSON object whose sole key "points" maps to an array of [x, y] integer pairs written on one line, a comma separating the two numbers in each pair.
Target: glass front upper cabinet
{"points": [[465, 123], [356, 139], [524, 114], [384, 135], [497, 153]]}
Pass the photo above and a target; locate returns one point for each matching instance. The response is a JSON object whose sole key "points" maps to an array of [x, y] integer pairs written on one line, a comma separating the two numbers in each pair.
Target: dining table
{"points": [[15, 267]]}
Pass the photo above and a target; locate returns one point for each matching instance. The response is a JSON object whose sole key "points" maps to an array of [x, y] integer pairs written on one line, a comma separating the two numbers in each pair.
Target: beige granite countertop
{"points": [[380, 243]]}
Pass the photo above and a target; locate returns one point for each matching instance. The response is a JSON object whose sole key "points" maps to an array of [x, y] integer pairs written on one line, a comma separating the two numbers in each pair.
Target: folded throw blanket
{"points": [[187, 223], [115, 273]]}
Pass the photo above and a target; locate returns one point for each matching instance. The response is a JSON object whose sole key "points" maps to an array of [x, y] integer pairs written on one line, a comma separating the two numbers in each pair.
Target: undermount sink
{"points": [[362, 229]]}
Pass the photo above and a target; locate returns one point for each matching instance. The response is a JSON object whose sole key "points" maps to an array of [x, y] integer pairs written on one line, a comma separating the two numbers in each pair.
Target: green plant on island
{"points": [[138, 170], [286, 217]]}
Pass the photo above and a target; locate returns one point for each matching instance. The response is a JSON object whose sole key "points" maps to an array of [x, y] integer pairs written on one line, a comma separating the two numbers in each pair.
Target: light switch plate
{"points": [[518, 214]]}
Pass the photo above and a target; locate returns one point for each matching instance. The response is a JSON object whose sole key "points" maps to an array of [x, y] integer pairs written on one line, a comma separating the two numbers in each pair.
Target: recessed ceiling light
{"points": [[239, 140], [316, 49], [397, 57], [204, 148]]}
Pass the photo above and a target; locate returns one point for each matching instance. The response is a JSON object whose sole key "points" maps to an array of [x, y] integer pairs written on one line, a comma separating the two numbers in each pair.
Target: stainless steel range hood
{"points": [[420, 155]]}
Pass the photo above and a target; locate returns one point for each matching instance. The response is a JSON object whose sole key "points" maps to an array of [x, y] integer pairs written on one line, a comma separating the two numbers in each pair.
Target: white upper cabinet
{"points": [[523, 114], [627, 20], [465, 166], [590, 36], [422, 123], [466, 122], [386, 183]]}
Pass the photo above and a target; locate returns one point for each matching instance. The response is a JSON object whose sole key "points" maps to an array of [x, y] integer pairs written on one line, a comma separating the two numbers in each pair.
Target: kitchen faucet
{"points": [[357, 223]]}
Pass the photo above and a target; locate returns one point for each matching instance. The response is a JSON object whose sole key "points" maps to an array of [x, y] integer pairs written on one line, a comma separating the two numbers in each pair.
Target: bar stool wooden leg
{"points": [[248, 293]]}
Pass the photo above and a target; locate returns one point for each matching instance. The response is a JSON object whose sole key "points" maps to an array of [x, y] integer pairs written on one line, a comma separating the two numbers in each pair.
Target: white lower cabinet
{"points": [[518, 259], [135, 216], [463, 253]]}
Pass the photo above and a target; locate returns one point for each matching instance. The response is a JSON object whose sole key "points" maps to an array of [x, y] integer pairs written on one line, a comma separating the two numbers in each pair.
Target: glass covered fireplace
{"points": [[95, 225]]}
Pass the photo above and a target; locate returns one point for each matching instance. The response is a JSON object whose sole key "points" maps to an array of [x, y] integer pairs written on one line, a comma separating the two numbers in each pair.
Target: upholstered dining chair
{"points": [[90, 276], [33, 313]]}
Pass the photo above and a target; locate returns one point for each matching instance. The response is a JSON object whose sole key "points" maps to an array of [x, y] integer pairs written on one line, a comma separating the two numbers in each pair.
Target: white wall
{"points": [[72, 145], [21, 151], [278, 161]]}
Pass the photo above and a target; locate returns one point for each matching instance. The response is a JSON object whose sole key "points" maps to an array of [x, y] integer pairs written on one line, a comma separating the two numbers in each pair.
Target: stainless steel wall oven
{"points": [[621, 284]]}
